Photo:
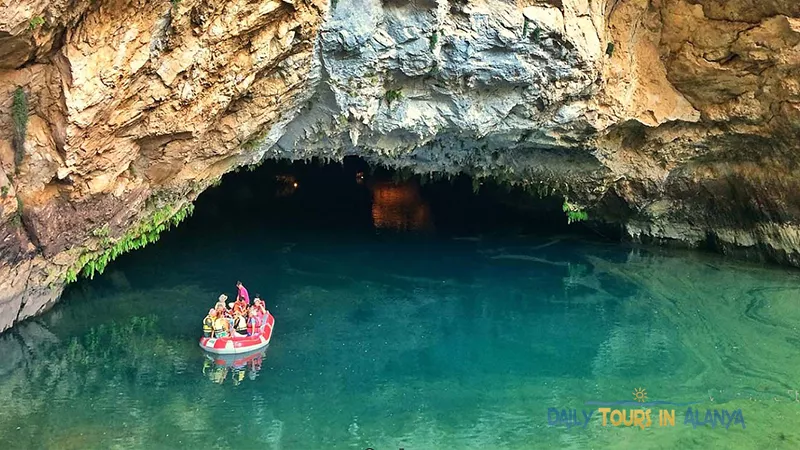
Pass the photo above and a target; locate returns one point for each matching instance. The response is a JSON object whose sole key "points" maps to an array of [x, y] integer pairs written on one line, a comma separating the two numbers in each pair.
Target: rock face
{"points": [[133, 108], [677, 119]]}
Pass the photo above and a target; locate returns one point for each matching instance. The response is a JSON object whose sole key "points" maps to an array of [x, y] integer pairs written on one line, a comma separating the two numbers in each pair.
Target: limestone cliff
{"points": [[678, 119], [133, 108]]}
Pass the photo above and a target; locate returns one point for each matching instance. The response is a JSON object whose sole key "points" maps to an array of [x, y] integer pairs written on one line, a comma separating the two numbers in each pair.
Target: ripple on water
{"points": [[378, 347]]}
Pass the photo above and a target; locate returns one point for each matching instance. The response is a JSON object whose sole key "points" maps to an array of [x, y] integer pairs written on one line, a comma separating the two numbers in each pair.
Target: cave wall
{"points": [[678, 119], [134, 107]]}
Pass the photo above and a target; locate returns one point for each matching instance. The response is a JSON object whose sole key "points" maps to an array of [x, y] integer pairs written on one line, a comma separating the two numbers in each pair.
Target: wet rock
{"points": [[677, 119]]}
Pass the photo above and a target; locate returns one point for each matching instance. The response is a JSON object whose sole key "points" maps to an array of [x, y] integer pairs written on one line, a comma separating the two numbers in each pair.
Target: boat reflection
{"points": [[399, 207], [245, 365]]}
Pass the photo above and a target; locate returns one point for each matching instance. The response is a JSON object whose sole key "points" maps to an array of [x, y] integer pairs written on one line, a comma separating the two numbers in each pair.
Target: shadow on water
{"points": [[407, 315]]}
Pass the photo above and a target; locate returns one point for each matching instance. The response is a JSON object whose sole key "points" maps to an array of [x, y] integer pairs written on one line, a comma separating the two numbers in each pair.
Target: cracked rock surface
{"points": [[677, 119]]}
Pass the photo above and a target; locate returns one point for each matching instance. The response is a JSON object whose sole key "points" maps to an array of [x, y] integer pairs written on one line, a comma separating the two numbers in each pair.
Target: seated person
{"points": [[261, 312], [261, 304], [240, 324], [229, 314], [208, 323], [221, 327], [239, 307], [253, 323], [220, 306]]}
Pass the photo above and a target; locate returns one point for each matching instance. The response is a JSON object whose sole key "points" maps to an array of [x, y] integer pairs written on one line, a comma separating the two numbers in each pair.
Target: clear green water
{"points": [[390, 340]]}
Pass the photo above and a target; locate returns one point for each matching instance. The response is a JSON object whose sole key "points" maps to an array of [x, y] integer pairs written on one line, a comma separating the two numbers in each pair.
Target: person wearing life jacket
{"points": [[253, 323], [240, 324], [222, 327], [208, 323], [239, 307]]}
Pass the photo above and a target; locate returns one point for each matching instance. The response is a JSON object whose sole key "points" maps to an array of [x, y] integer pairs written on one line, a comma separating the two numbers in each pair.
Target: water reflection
{"points": [[247, 365], [399, 207], [464, 349]]}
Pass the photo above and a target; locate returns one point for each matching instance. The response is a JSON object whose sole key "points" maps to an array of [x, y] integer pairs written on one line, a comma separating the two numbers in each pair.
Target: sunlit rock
{"points": [[677, 119]]}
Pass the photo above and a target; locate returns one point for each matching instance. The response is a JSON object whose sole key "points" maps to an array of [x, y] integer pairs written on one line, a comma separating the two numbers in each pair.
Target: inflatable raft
{"points": [[237, 344]]}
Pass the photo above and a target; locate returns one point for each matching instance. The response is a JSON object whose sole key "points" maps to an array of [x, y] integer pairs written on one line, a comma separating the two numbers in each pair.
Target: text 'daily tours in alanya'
{"points": [[643, 413]]}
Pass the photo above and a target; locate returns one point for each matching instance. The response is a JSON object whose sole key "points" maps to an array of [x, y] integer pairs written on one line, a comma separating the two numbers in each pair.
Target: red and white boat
{"points": [[239, 344]]}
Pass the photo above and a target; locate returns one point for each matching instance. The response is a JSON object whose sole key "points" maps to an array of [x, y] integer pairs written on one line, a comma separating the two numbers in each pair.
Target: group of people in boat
{"points": [[237, 319]]}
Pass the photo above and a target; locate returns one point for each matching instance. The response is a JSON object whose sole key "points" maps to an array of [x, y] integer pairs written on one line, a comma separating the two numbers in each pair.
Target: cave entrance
{"points": [[353, 196]]}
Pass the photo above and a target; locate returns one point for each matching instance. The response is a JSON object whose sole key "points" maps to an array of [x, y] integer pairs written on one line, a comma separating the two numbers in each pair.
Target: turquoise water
{"points": [[430, 339]]}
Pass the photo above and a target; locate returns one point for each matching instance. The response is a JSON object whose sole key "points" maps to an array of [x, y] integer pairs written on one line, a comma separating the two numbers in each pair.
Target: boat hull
{"points": [[239, 344]]}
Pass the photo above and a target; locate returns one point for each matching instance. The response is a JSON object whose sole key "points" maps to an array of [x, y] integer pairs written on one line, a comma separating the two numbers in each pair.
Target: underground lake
{"points": [[408, 314]]}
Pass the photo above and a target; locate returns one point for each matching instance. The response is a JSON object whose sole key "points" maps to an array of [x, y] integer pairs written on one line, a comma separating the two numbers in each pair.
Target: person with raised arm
{"points": [[242, 293]]}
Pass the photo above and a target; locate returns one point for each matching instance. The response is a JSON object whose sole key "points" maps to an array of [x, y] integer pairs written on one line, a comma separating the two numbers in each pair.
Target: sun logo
{"points": [[639, 394]]}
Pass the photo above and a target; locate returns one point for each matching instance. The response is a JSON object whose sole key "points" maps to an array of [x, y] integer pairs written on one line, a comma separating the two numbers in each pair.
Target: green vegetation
{"points": [[255, 141], [610, 49], [433, 40], [19, 115], [4, 191], [334, 3], [251, 145], [16, 219], [535, 35], [573, 212], [36, 21], [476, 185], [101, 232], [435, 70], [145, 233], [392, 95]]}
